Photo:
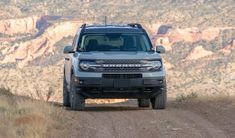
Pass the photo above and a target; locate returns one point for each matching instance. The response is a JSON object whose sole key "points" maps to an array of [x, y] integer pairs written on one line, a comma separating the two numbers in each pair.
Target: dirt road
{"points": [[126, 120]]}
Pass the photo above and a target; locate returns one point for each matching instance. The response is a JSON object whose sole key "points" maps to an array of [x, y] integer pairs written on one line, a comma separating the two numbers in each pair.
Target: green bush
{"points": [[6, 92]]}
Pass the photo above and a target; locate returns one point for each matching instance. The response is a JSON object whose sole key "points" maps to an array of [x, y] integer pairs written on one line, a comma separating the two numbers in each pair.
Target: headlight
{"points": [[156, 65], [88, 66], [84, 65], [151, 65]]}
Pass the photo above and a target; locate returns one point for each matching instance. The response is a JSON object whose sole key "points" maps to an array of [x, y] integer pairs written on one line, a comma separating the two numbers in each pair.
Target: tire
{"points": [[77, 101], [143, 102], [159, 102], [66, 101]]}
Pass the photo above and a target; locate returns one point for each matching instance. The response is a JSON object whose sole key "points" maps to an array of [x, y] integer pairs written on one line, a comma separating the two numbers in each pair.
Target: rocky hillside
{"points": [[198, 35], [181, 13]]}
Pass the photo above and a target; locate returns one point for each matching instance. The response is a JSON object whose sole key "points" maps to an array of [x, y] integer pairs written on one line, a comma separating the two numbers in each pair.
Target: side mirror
{"points": [[160, 49], [68, 49]]}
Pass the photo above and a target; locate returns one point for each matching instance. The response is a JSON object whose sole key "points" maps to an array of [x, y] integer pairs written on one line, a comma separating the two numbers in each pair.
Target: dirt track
{"points": [[127, 120]]}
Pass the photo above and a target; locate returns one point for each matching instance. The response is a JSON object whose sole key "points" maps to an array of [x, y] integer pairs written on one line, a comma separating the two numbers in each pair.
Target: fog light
{"points": [[76, 80], [81, 82]]}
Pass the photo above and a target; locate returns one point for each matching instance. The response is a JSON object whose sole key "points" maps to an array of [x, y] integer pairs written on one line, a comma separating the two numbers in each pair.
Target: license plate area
{"points": [[121, 83]]}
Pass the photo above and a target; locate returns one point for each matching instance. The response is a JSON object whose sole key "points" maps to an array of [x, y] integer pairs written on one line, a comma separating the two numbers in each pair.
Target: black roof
{"points": [[130, 28]]}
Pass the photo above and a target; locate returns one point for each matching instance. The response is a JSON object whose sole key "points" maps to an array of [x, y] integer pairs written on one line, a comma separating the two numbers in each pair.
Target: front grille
{"points": [[121, 62], [121, 69], [124, 76]]}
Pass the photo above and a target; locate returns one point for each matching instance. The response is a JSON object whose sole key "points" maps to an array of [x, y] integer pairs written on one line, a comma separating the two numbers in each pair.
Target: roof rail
{"points": [[136, 25], [83, 26]]}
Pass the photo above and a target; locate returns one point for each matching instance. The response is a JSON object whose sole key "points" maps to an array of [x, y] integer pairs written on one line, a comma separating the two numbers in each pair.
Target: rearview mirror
{"points": [[68, 49], [160, 49]]}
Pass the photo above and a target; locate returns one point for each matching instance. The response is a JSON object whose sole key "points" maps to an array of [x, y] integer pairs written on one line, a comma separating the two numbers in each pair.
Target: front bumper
{"points": [[120, 88], [119, 82]]}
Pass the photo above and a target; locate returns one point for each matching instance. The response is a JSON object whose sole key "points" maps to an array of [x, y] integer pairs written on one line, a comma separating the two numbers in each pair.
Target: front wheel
{"points": [[159, 101], [77, 101], [66, 101]]}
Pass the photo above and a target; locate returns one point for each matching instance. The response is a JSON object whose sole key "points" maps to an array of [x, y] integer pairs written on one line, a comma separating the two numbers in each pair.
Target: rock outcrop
{"points": [[189, 35], [41, 45], [24, 52], [19, 26], [197, 53], [192, 35], [228, 49]]}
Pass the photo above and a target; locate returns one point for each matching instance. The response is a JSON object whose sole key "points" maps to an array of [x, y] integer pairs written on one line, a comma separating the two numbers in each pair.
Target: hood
{"points": [[119, 55]]}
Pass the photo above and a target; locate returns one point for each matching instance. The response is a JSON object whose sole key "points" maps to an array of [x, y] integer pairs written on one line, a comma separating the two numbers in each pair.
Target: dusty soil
{"points": [[200, 118]]}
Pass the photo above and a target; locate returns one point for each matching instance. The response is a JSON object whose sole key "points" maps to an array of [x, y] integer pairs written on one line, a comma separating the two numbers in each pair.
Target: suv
{"points": [[113, 61]]}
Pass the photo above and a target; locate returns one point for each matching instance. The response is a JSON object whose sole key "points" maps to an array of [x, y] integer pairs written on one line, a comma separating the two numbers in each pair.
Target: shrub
{"points": [[5, 92], [186, 97]]}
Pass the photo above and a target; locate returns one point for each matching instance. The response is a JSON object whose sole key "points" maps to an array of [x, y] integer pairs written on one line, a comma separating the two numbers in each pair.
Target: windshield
{"points": [[114, 42]]}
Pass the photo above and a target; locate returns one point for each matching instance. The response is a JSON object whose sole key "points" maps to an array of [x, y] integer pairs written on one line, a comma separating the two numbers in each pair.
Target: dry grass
{"points": [[186, 97], [213, 101], [26, 118], [219, 102]]}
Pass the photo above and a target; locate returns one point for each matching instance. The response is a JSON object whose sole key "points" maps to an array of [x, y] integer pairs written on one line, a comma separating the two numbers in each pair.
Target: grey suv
{"points": [[113, 61]]}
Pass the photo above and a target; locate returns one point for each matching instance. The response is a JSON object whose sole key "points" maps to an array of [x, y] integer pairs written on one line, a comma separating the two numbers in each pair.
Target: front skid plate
{"points": [[129, 95]]}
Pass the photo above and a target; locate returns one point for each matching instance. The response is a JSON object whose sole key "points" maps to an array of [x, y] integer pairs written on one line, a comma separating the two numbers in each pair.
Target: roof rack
{"points": [[135, 25], [83, 26]]}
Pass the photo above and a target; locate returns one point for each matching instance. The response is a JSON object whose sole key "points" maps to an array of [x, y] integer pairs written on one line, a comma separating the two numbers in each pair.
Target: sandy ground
{"points": [[213, 118]]}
